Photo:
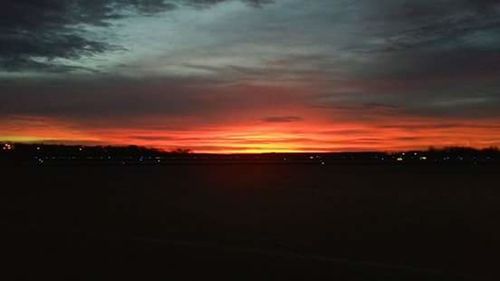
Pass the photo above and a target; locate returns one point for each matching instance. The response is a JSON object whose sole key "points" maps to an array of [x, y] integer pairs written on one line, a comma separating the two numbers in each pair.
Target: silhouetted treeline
{"points": [[77, 154], [42, 153]]}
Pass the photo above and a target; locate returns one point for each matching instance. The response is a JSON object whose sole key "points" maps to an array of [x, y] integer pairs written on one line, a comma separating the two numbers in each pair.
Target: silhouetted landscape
{"points": [[43, 154], [115, 212]]}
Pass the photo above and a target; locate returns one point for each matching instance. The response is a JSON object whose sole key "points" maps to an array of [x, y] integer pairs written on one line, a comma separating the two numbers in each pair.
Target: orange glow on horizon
{"points": [[317, 136]]}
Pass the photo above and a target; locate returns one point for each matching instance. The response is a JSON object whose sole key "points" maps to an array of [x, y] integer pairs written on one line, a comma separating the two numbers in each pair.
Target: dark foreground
{"points": [[252, 222]]}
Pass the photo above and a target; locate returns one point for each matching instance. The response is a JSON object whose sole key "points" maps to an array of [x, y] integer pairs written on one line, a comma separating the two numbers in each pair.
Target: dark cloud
{"points": [[433, 16], [421, 39], [436, 58], [282, 119], [439, 126], [34, 33]]}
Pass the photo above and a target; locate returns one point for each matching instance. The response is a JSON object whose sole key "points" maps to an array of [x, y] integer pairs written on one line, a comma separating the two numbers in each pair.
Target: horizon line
{"points": [[247, 152]]}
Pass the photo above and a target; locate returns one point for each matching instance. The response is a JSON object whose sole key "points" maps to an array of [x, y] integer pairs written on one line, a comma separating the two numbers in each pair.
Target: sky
{"points": [[228, 76]]}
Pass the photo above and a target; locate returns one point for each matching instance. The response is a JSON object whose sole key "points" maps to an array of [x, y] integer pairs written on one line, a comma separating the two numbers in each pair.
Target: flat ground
{"points": [[252, 222]]}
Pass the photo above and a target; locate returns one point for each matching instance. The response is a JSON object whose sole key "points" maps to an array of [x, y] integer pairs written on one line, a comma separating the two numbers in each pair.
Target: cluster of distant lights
{"points": [[415, 154], [317, 157], [8, 146], [141, 159]]}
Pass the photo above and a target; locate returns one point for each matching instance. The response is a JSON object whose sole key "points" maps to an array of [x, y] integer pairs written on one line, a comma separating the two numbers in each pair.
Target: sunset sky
{"points": [[251, 76]]}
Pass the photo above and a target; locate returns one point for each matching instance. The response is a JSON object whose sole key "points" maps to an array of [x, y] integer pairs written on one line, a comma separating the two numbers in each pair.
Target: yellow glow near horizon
{"points": [[26, 139]]}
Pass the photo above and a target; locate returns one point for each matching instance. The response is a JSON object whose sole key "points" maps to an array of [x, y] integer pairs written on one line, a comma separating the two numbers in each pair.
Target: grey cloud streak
{"points": [[282, 119]]}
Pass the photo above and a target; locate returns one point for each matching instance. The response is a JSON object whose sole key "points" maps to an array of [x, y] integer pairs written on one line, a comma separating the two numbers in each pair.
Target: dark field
{"points": [[252, 222]]}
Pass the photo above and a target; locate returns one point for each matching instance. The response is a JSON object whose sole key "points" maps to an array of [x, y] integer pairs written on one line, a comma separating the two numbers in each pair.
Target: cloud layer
{"points": [[35, 33]]}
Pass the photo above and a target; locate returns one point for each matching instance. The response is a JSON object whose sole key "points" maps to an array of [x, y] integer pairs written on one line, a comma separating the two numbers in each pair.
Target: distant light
{"points": [[80, 148], [323, 163], [423, 158], [400, 159]]}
